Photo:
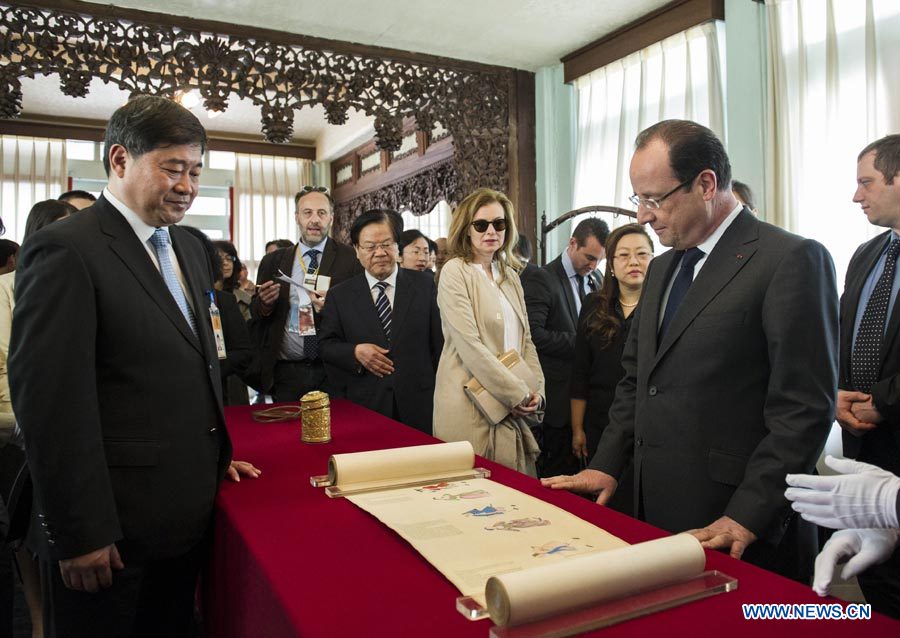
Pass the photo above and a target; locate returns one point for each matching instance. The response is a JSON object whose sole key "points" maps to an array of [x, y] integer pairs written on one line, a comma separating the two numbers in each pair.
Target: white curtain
{"points": [[34, 169], [834, 86], [679, 77], [433, 224], [264, 189]]}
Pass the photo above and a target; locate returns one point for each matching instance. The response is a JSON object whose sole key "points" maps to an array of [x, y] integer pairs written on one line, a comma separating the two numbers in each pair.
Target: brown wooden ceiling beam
{"points": [[247, 31], [658, 25], [94, 133]]}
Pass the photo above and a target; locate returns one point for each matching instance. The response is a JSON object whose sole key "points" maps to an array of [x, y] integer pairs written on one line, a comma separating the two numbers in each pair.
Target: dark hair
{"points": [[228, 285], [523, 248], [743, 191], [76, 195], [8, 248], [887, 156], [692, 148], [148, 122], [432, 245], [591, 227], [306, 190], [604, 320], [211, 251], [409, 236], [45, 213], [280, 243], [375, 216]]}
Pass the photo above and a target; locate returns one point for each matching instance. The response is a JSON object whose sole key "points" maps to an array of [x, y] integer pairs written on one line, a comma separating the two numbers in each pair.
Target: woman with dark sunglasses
{"points": [[483, 315]]}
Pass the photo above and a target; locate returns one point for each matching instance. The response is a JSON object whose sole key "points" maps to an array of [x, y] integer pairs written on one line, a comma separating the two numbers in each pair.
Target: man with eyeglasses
{"points": [[284, 318], [553, 297], [730, 365], [382, 330]]}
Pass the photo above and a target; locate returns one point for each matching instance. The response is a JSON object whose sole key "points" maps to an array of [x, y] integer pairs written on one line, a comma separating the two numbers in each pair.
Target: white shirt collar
{"points": [[390, 279], [567, 264], [711, 241], [320, 246], [142, 229]]}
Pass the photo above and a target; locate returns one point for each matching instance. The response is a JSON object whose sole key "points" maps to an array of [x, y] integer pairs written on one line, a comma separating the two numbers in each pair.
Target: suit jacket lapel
{"points": [[733, 250], [403, 296], [367, 316], [557, 268], [651, 296], [126, 245], [508, 290], [856, 279], [326, 264], [198, 283]]}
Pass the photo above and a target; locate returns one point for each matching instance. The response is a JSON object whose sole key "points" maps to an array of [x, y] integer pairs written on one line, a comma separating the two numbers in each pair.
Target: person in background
{"points": [[79, 199], [413, 250], [432, 254], [9, 251], [231, 276], [275, 244], [238, 350], [483, 314], [441, 255], [599, 341], [41, 214], [381, 330], [868, 399], [290, 365], [744, 195], [553, 297]]}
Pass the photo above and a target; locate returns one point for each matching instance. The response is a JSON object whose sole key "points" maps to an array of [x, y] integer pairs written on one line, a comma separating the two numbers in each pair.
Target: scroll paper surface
{"points": [[473, 529], [547, 590], [400, 463]]}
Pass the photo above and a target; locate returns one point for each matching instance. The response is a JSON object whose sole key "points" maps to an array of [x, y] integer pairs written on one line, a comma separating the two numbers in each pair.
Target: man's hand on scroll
{"points": [[725, 533], [589, 481], [374, 359]]}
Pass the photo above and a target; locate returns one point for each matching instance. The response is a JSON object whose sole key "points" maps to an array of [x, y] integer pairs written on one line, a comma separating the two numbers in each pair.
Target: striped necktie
{"points": [[311, 342], [383, 308], [160, 241], [865, 361]]}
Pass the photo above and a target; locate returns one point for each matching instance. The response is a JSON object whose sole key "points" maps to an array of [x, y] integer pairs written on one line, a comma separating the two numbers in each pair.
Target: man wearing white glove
{"points": [[863, 501], [868, 401]]}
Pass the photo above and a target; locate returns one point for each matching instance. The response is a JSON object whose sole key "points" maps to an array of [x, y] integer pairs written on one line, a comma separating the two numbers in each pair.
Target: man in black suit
{"points": [[382, 328], [553, 297], [868, 405], [115, 382], [290, 365], [730, 364]]}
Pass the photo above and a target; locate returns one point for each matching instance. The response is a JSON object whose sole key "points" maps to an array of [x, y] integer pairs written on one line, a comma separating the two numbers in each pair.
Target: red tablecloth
{"points": [[289, 561]]}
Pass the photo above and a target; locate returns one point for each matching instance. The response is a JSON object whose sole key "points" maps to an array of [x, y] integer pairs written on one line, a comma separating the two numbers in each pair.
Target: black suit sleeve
{"points": [[437, 336], [333, 345], [539, 296], [51, 371], [584, 355]]}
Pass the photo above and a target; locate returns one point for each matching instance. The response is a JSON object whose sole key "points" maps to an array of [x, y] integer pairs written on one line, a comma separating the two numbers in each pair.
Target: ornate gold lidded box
{"points": [[315, 417]]}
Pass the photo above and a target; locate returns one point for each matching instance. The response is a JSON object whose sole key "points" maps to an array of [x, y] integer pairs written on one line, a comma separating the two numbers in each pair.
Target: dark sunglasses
{"points": [[481, 225]]}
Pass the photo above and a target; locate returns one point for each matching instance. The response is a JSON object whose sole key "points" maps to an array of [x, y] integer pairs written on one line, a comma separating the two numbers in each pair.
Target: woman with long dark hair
{"points": [[602, 331]]}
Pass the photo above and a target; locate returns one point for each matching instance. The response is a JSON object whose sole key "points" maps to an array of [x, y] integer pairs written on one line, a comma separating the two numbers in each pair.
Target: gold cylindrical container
{"points": [[315, 417]]}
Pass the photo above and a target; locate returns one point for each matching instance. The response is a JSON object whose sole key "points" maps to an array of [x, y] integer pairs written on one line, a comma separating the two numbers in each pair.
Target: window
{"points": [[433, 224]]}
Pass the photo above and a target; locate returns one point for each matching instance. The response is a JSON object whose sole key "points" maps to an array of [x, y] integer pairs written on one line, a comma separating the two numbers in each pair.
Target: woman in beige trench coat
{"points": [[483, 315]]}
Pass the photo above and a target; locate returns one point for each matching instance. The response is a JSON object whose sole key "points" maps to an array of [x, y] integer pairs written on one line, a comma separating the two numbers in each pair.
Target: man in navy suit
{"points": [[868, 405], [381, 330], [115, 381]]}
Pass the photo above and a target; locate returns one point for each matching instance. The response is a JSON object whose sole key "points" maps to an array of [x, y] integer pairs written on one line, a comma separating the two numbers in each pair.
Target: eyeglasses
{"points": [[653, 202], [481, 225], [313, 189], [371, 248], [626, 257], [416, 252], [227, 257]]}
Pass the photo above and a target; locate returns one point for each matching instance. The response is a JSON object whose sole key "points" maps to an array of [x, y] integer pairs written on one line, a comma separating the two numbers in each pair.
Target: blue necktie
{"points": [[160, 241], [865, 361], [680, 285], [383, 308], [311, 343]]}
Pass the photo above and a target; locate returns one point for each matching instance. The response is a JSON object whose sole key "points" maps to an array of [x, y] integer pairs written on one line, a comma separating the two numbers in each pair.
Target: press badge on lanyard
{"points": [[215, 319]]}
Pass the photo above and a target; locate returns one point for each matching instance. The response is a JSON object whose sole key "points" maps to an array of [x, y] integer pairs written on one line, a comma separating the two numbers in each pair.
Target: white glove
{"points": [[864, 548], [861, 496]]}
